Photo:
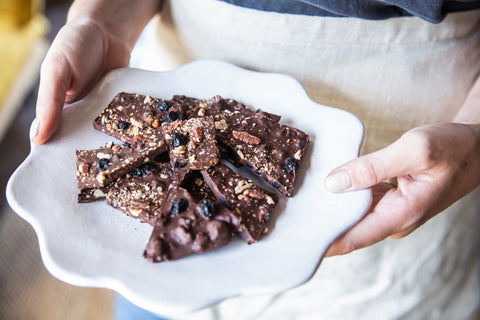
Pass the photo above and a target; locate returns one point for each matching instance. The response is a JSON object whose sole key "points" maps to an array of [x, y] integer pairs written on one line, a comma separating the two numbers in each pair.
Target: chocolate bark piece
{"points": [[99, 167], [87, 195], [192, 143], [133, 117], [142, 192], [183, 228], [270, 150], [254, 204]]}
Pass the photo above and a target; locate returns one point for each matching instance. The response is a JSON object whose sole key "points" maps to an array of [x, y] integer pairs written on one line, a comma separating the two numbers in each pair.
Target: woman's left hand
{"points": [[412, 180]]}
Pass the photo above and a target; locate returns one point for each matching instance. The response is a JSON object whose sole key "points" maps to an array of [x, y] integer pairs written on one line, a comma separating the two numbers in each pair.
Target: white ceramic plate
{"points": [[94, 245]]}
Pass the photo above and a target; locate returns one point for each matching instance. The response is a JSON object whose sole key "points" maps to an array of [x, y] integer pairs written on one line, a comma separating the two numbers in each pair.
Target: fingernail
{"points": [[34, 128], [338, 182]]}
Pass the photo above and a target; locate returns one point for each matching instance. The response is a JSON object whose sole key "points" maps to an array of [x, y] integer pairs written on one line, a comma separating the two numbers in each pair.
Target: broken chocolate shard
{"points": [[99, 167], [254, 204], [188, 232], [256, 140]]}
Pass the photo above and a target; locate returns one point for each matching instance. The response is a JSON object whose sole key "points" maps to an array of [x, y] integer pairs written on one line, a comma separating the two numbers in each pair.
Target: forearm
{"points": [[469, 113], [125, 19]]}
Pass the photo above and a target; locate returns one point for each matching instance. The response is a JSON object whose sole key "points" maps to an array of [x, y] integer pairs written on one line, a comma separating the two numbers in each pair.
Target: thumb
{"points": [[398, 159], [55, 80]]}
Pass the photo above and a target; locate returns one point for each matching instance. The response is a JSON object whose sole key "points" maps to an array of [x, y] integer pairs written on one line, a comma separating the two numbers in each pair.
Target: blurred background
{"points": [[27, 290]]}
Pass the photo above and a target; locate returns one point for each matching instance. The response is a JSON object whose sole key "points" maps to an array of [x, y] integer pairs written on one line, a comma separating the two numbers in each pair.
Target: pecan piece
{"points": [[245, 137], [83, 168], [198, 135]]}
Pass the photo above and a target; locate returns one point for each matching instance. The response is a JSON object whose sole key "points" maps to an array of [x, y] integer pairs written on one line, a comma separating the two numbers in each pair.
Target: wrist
{"points": [[124, 21]]}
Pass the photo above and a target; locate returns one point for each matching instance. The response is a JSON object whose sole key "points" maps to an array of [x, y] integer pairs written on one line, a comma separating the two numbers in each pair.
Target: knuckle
{"points": [[425, 148], [367, 172]]}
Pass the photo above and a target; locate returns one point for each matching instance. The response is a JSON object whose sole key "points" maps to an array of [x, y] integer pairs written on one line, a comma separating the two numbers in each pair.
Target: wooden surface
{"points": [[28, 291]]}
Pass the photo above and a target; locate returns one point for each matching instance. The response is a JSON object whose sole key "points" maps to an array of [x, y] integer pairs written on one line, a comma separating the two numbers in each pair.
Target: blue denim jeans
{"points": [[125, 310]]}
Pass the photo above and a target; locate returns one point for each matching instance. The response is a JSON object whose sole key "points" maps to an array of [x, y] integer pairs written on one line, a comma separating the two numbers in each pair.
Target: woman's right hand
{"points": [[82, 52]]}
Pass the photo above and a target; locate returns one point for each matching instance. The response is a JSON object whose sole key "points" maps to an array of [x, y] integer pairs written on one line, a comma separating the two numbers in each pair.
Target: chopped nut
{"points": [[199, 182], [254, 193], [261, 216], [201, 112], [240, 154], [269, 199], [197, 135], [98, 193], [180, 150], [102, 155], [221, 125], [242, 185], [148, 99], [83, 167], [109, 144], [101, 177], [149, 119], [139, 204], [245, 137], [298, 155], [116, 148], [134, 211]]}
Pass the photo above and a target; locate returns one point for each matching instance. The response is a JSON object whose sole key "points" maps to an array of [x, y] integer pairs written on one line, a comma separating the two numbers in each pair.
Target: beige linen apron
{"points": [[394, 75]]}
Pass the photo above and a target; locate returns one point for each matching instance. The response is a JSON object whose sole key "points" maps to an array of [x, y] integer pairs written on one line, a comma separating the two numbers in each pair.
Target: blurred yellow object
{"points": [[22, 27], [15, 13]]}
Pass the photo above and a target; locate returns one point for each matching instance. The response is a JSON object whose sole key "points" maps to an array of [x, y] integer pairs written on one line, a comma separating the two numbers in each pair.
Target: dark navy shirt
{"points": [[430, 10]]}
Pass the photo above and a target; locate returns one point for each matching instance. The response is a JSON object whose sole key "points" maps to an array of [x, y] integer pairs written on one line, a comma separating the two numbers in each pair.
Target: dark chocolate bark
{"points": [[188, 227], [142, 192], [192, 143], [242, 196], [269, 149], [133, 117], [99, 167]]}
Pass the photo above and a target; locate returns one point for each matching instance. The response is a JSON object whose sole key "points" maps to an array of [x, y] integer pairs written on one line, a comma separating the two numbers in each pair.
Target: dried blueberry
{"points": [[178, 206], [137, 172], [178, 139], [172, 116], [291, 165], [179, 165], [126, 144], [147, 167], [276, 185], [102, 164], [122, 125], [163, 106], [207, 208]]}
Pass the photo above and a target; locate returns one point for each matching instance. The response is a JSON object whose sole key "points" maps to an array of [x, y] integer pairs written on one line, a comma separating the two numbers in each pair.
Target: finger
{"points": [[55, 80], [403, 157], [383, 220]]}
